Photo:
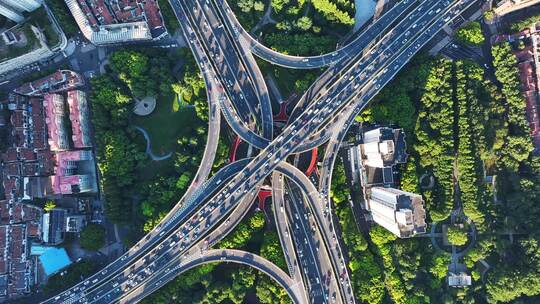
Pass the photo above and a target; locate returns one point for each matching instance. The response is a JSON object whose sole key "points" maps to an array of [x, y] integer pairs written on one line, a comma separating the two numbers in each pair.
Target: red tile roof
{"points": [[27, 154], [12, 169], [10, 155]]}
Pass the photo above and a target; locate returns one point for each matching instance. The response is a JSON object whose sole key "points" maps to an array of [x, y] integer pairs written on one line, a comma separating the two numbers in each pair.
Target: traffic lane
{"points": [[405, 54], [240, 128], [159, 258], [210, 23], [283, 227], [325, 227], [241, 257], [212, 238], [210, 186], [161, 247], [400, 28], [407, 23], [324, 277], [252, 69], [227, 77], [308, 260], [221, 59]]}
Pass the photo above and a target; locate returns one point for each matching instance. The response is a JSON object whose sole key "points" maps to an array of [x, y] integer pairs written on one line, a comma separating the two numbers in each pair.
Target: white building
{"points": [[372, 161], [459, 280], [383, 147], [400, 212], [111, 33]]}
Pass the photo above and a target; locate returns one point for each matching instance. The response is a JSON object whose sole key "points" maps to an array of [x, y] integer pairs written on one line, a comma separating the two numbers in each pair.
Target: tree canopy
{"points": [[93, 237]]}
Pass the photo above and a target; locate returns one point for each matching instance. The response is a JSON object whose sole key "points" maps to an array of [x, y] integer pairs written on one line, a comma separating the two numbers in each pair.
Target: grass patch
{"points": [[166, 124], [41, 19], [285, 78], [176, 105]]}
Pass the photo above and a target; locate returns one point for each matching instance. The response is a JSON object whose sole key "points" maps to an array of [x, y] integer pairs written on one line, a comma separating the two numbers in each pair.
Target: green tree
{"points": [[304, 23], [71, 275], [49, 205], [456, 236], [271, 250], [93, 237], [332, 13], [471, 34]]}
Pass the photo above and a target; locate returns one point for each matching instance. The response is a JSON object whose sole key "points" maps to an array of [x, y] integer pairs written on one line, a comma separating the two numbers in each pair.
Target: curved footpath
{"points": [[148, 151]]}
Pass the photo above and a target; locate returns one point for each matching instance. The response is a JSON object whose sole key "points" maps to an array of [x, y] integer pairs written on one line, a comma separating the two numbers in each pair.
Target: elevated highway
{"points": [[209, 206]]}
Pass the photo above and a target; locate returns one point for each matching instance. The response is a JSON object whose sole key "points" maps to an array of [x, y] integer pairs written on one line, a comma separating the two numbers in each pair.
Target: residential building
{"points": [[74, 173], [55, 113], [53, 224], [75, 223], [370, 165], [38, 164], [80, 121], [61, 80], [114, 21], [16, 270], [400, 212], [374, 158]]}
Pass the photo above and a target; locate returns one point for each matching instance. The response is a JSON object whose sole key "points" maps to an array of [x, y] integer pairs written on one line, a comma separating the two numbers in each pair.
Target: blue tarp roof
{"points": [[53, 259]]}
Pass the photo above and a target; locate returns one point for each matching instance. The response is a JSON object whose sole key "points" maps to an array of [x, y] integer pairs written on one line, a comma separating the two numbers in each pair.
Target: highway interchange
{"points": [[212, 207]]}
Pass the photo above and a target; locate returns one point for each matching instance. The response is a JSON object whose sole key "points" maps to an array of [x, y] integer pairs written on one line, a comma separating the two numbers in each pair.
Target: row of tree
{"points": [[469, 170], [366, 274], [120, 150], [434, 143], [518, 145]]}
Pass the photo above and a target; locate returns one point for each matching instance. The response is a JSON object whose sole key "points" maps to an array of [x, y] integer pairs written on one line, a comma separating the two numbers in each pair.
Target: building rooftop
{"points": [[383, 147], [53, 226], [459, 280], [74, 173], [53, 260], [113, 21], [13, 260], [55, 114], [79, 117], [61, 80], [400, 212]]}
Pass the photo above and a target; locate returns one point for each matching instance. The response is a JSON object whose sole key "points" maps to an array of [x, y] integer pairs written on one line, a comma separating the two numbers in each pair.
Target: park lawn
{"points": [[166, 124]]}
